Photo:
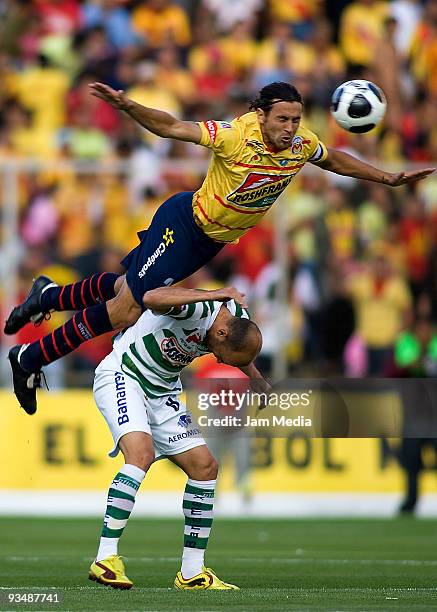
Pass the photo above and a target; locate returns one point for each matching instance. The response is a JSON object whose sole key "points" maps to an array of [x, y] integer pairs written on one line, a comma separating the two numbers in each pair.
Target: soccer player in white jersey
{"points": [[137, 388]]}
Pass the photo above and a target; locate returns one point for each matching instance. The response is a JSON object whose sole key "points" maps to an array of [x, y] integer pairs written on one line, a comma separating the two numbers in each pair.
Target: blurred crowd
{"points": [[362, 266]]}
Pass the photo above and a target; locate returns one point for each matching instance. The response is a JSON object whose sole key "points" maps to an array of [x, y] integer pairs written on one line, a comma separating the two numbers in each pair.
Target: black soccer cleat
{"points": [[30, 309], [25, 383]]}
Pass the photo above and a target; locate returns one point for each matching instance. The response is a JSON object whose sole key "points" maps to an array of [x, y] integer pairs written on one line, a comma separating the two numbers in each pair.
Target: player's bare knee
{"points": [[144, 461], [141, 457], [207, 469], [212, 469], [137, 448]]}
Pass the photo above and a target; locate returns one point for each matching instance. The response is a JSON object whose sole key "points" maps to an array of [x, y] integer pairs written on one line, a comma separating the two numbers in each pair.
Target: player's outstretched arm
{"points": [[159, 122], [347, 165], [164, 298]]}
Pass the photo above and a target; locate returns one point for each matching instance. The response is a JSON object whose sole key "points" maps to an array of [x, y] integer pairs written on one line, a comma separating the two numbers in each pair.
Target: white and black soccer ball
{"points": [[358, 106]]}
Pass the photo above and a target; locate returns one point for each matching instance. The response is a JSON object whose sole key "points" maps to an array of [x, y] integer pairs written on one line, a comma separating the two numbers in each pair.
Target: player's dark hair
{"points": [[275, 92], [238, 331]]}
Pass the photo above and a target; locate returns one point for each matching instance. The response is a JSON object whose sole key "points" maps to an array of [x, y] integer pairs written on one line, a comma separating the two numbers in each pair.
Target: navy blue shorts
{"points": [[171, 249]]}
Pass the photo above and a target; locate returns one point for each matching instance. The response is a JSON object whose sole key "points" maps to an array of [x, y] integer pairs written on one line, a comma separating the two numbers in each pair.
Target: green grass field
{"points": [[279, 564]]}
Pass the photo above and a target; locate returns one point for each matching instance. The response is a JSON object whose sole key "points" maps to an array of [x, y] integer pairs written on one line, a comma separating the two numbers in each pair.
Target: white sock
{"points": [[121, 499], [198, 506]]}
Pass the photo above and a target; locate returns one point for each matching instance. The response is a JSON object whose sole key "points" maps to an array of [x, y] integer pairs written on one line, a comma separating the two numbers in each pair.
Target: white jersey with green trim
{"points": [[155, 350]]}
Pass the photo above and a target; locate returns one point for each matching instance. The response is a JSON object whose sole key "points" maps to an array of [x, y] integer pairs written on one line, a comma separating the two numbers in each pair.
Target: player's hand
{"points": [[229, 293], [117, 99], [401, 178], [261, 386]]}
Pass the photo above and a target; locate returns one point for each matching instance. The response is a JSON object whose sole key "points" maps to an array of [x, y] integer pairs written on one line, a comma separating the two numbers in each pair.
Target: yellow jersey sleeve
{"points": [[222, 137], [318, 151]]}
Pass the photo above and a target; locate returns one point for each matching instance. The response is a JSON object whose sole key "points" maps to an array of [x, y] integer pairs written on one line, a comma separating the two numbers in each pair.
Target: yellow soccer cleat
{"points": [[206, 580], [110, 572]]}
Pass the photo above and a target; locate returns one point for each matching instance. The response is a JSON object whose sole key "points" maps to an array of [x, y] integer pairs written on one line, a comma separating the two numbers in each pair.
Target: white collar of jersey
{"points": [[217, 306]]}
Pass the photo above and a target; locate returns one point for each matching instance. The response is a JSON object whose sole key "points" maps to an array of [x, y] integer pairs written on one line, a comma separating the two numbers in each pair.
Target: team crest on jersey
{"points": [[260, 189], [297, 145], [172, 350]]}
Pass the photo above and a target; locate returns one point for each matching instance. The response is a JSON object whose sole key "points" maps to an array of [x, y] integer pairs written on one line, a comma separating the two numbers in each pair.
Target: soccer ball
{"points": [[358, 106]]}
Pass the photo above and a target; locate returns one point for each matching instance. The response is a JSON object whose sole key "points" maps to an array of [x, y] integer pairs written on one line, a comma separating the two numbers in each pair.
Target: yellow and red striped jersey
{"points": [[244, 176]]}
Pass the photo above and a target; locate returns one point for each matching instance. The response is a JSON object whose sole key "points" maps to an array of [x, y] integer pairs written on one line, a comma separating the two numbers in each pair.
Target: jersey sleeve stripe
{"points": [[186, 313], [317, 155], [238, 310], [204, 310], [195, 312], [171, 312]]}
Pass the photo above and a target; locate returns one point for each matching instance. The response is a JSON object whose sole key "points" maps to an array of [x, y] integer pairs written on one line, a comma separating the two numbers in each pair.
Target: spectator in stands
{"points": [[58, 16], [415, 236], [382, 303], [148, 91], [299, 15], [407, 14], [415, 356], [386, 66], [177, 79], [161, 22], [361, 28], [239, 48], [114, 18], [228, 13], [423, 49], [48, 107], [281, 57], [328, 65], [337, 322], [373, 215], [341, 225]]}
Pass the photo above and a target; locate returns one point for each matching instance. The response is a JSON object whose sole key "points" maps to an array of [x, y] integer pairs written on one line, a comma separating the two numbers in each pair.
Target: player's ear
{"points": [[261, 115], [222, 332]]}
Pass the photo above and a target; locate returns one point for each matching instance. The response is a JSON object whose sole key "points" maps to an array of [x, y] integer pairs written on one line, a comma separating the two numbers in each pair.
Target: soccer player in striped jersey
{"points": [[137, 389], [255, 157]]}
